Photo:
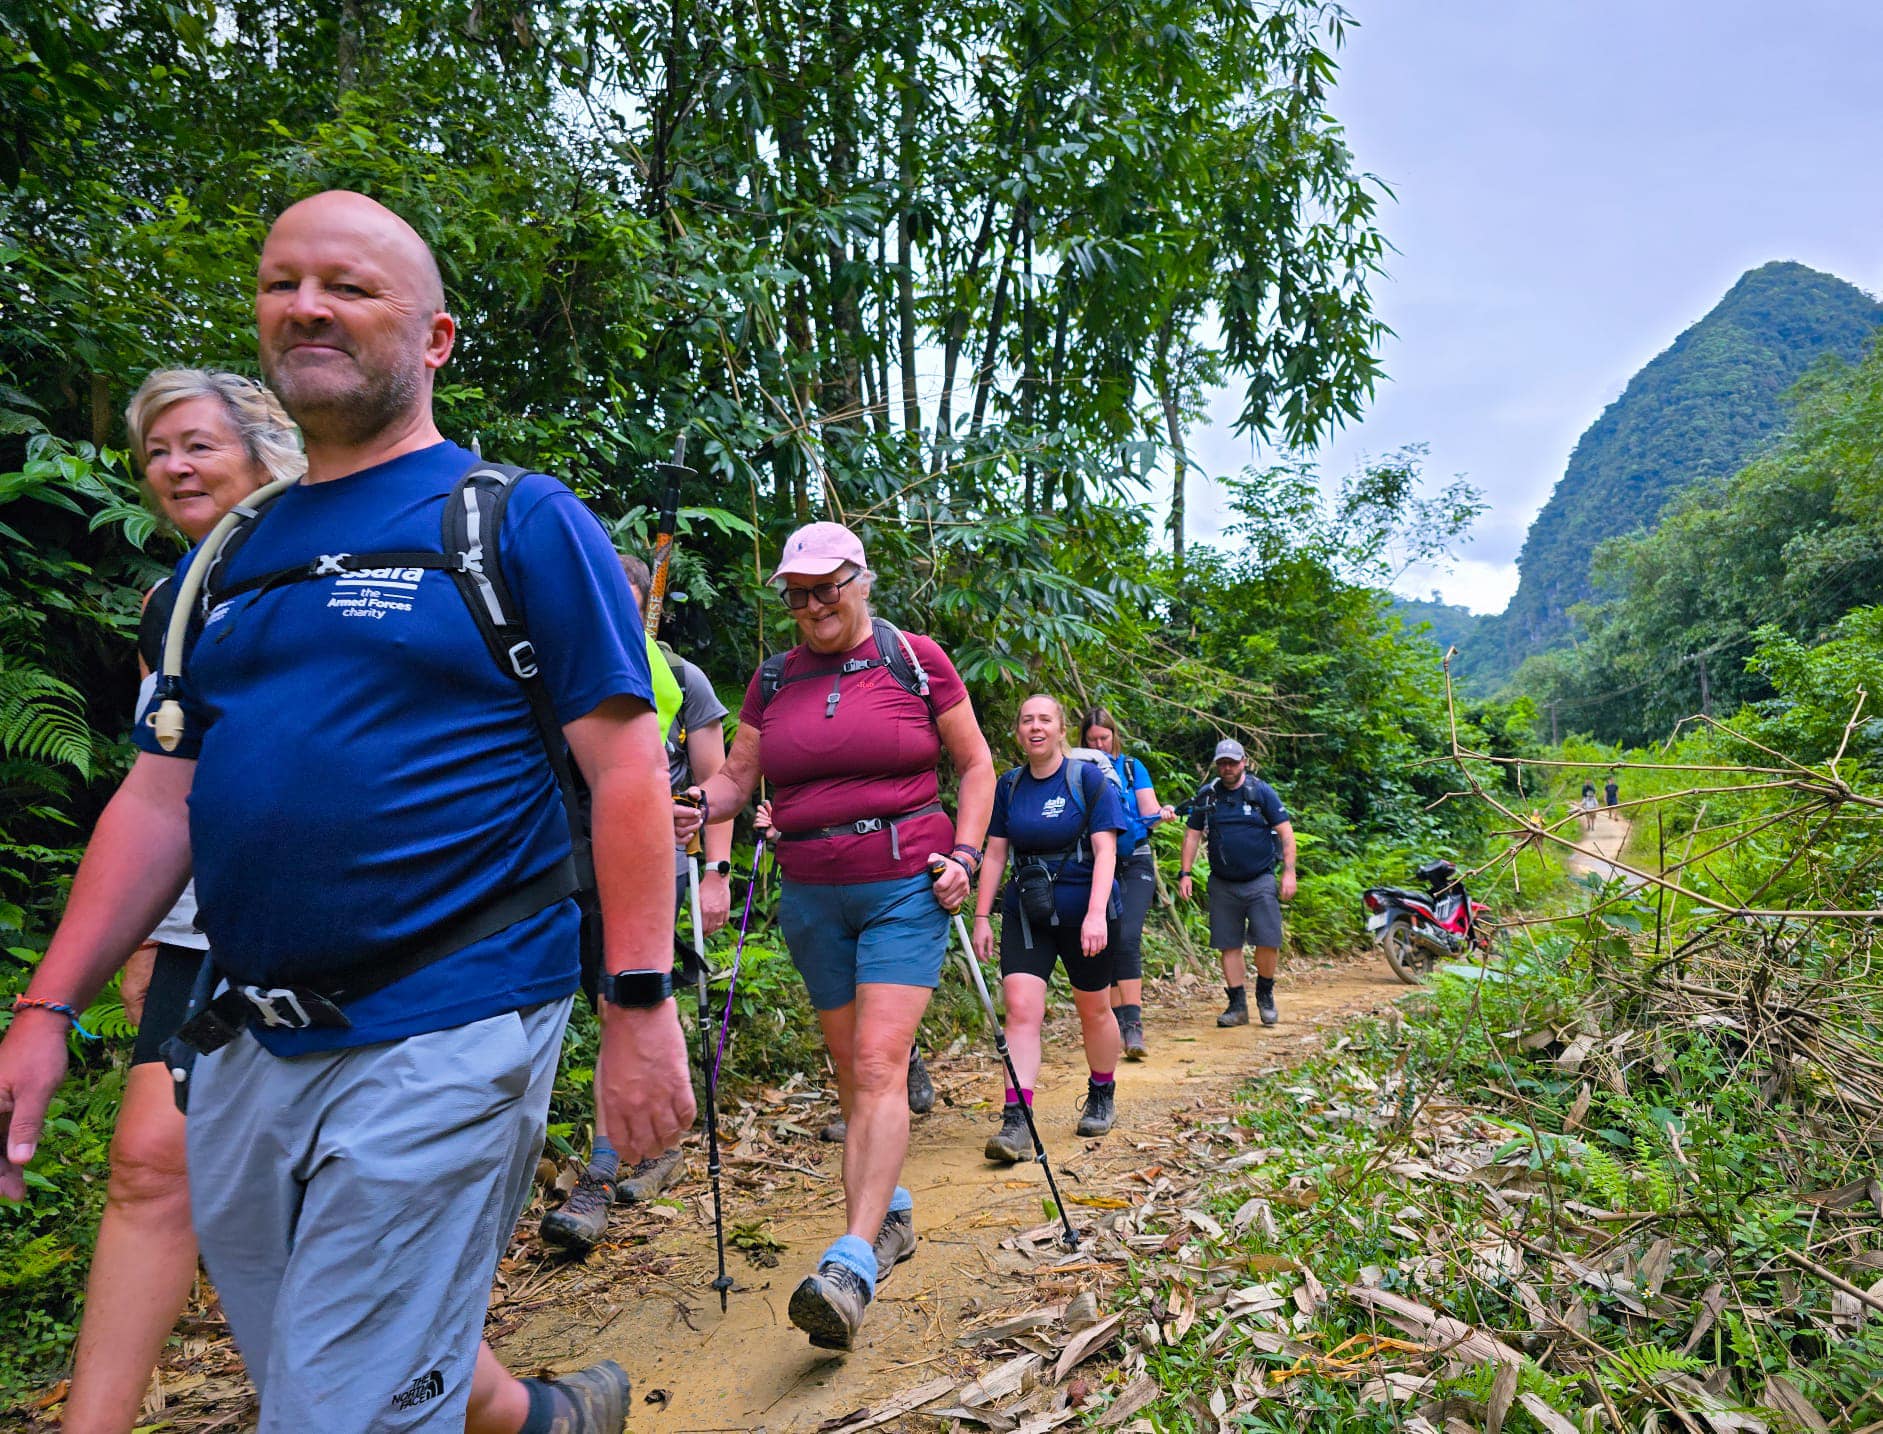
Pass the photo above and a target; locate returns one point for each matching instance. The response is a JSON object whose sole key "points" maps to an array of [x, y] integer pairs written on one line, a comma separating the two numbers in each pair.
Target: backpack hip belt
{"points": [[867, 826], [319, 1003]]}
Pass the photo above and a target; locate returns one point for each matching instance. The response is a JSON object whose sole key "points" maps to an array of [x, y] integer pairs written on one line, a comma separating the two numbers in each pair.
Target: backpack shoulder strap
{"points": [[472, 528], [154, 621], [898, 655], [771, 676]]}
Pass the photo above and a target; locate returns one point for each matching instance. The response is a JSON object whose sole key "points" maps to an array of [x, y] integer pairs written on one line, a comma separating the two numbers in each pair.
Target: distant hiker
{"points": [[1611, 792], [1060, 819], [1245, 822], [384, 870], [1137, 875], [848, 727], [696, 748], [205, 440], [1588, 805]]}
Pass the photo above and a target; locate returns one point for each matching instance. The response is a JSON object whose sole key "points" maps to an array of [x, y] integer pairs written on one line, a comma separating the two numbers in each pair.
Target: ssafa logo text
{"points": [[375, 592]]}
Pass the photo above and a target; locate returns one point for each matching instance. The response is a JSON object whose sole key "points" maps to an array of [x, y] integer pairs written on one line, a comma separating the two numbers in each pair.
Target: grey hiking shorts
{"points": [[1244, 913], [352, 1205]]}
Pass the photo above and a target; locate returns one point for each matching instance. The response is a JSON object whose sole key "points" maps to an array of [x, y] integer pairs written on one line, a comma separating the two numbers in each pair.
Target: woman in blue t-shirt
{"points": [[1059, 907], [1137, 875]]}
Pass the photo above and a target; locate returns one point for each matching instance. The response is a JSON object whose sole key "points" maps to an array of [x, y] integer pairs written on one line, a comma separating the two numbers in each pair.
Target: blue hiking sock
{"points": [[901, 1200], [603, 1163], [853, 1252]]}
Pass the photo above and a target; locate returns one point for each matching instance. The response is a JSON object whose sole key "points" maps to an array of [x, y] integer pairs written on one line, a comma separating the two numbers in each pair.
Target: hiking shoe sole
{"points": [[829, 1308], [650, 1177]]}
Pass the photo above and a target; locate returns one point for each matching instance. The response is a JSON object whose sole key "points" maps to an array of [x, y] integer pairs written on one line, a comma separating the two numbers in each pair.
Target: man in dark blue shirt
{"points": [[1246, 824], [357, 775]]}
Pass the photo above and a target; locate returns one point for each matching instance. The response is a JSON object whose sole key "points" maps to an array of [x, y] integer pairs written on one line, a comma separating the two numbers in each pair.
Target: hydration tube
{"points": [[167, 720]]}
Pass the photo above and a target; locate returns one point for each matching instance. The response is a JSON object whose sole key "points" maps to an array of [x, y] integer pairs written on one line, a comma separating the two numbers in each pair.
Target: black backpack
{"points": [[893, 651], [473, 519]]}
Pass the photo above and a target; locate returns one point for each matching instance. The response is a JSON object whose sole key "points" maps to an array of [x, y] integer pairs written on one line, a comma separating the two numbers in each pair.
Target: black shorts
{"points": [[168, 998], [1050, 946]]}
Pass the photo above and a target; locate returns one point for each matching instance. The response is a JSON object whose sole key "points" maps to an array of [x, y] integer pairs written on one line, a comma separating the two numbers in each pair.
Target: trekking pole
{"points": [[708, 1073], [738, 956], [1070, 1239], [662, 565]]}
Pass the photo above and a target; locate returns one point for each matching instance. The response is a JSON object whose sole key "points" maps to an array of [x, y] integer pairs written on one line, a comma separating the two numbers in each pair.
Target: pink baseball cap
{"points": [[817, 549]]}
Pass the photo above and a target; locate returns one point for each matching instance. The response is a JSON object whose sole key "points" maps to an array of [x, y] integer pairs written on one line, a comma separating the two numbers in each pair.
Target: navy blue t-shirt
{"points": [[1241, 822], [365, 771], [1041, 816]]}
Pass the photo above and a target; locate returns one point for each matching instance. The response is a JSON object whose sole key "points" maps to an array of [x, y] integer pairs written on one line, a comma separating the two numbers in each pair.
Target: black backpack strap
{"points": [[212, 591], [473, 521], [893, 651], [898, 655], [771, 676], [154, 622]]}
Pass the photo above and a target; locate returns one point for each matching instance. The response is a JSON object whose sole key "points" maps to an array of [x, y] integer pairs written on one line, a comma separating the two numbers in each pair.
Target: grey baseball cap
{"points": [[1229, 750]]}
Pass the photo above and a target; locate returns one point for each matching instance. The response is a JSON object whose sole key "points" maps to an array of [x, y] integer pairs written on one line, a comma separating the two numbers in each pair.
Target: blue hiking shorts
{"points": [[889, 932]]}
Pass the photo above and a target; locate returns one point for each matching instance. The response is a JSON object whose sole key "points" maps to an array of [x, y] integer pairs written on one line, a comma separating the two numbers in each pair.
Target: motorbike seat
{"points": [[1400, 893]]}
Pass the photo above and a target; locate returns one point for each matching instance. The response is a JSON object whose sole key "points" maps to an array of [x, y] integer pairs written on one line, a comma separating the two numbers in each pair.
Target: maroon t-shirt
{"points": [[874, 758]]}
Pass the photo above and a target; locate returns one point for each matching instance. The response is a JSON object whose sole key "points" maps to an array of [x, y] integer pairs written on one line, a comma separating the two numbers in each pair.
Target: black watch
{"points": [[637, 990], [724, 868]]}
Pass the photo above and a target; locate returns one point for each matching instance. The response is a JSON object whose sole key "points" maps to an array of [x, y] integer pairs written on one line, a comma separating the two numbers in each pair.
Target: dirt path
{"points": [[1609, 837], [643, 1297]]}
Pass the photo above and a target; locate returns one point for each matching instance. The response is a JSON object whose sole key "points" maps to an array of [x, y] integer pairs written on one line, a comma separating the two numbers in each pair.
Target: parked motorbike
{"points": [[1416, 930]]}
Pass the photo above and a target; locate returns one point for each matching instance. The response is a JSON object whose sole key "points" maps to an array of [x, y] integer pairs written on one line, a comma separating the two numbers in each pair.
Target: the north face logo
{"points": [[422, 1390]]}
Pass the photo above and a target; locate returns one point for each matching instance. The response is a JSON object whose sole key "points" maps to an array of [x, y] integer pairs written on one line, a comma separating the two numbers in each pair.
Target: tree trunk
{"points": [[906, 120]]}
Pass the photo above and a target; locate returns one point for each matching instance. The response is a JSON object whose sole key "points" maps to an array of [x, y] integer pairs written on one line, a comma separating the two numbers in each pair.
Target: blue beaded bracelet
{"points": [[31, 1003]]}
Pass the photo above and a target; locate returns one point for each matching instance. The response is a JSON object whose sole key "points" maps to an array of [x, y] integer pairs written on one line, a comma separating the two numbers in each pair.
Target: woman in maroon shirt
{"points": [[851, 754]]}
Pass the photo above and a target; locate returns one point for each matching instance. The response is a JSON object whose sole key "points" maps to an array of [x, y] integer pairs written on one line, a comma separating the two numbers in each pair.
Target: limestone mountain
{"points": [[1698, 410]]}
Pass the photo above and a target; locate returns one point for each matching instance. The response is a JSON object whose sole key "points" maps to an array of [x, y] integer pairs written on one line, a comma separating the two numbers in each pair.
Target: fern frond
{"points": [[1639, 1363], [42, 719], [1606, 1177]]}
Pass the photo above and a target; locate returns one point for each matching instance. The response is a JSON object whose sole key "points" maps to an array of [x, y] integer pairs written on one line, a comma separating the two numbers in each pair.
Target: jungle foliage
{"points": [[956, 276]]}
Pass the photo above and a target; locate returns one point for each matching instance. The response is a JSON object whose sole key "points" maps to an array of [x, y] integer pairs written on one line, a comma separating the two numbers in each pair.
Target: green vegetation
{"points": [[1695, 414], [1620, 1178]]}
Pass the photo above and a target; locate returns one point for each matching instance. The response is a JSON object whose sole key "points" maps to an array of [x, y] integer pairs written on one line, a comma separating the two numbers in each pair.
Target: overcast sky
{"points": [[1576, 182]]}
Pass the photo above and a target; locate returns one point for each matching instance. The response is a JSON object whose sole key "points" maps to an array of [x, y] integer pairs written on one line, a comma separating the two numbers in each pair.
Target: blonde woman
{"points": [[205, 440], [1060, 820]]}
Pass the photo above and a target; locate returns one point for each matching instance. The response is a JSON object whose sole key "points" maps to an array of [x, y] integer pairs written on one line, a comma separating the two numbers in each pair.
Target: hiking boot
{"points": [[579, 1222], [836, 1132], [1237, 1012], [589, 1401], [1010, 1144], [649, 1178], [921, 1088], [829, 1305], [895, 1242], [1101, 1112], [1265, 1007], [1132, 1034]]}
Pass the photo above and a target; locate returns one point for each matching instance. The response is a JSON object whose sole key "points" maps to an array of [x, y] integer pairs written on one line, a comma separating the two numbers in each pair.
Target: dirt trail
{"points": [[643, 1297], [1607, 839]]}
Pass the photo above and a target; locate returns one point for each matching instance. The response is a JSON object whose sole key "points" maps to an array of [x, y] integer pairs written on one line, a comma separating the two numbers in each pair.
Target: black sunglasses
{"points": [[797, 599]]}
